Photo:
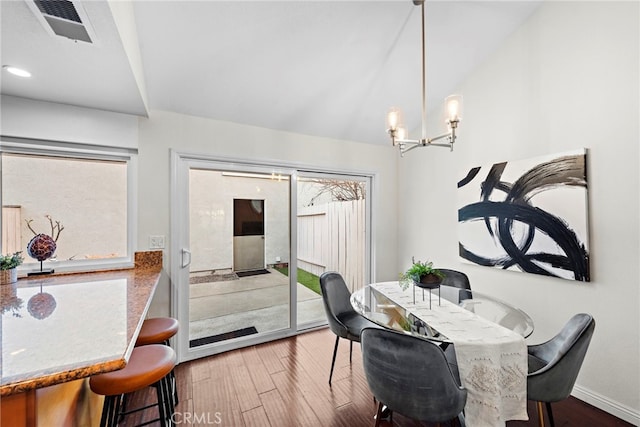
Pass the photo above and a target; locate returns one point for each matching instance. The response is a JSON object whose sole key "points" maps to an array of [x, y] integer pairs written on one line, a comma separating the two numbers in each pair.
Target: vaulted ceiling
{"points": [[324, 68]]}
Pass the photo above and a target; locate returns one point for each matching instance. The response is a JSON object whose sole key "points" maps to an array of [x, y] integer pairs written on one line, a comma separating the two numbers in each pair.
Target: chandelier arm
{"points": [[429, 141], [440, 144], [413, 143], [424, 143], [406, 150], [410, 141]]}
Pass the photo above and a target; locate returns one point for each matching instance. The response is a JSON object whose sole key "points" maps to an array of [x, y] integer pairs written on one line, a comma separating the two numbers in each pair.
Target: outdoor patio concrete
{"points": [[261, 301]]}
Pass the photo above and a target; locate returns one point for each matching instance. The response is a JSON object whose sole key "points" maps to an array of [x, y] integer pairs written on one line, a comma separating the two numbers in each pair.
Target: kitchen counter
{"points": [[65, 327]]}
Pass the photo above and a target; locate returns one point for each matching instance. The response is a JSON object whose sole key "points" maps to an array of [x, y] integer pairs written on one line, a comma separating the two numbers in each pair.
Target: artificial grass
{"points": [[305, 278]]}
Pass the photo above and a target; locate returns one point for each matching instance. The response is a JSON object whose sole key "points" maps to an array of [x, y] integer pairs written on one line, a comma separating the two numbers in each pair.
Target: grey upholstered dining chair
{"points": [[343, 319], [456, 279], [554, 365], [411, 376]]}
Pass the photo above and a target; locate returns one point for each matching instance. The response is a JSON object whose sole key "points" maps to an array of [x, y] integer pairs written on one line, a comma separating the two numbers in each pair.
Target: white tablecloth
{"points": [[492, 360]]}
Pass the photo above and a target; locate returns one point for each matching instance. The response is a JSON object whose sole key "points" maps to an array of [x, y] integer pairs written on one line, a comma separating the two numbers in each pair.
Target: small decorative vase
{"points": [[8, 276]]}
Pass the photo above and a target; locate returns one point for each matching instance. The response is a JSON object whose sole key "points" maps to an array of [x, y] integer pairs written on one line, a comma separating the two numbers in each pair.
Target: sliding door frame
{"points": [[181, 162], [368, 180]]}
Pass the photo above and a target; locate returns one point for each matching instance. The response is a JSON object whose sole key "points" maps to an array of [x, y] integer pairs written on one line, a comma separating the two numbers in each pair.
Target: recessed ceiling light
{"points": [[17, 71]]}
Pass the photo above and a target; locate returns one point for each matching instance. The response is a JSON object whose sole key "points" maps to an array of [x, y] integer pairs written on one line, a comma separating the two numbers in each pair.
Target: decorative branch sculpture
{"points": [[29, 221], [58, 227], [55, 229]]}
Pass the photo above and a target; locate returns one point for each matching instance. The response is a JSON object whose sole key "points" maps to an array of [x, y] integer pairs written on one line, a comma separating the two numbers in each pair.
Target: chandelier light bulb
{"points": [[454, 108], [393, 118]]}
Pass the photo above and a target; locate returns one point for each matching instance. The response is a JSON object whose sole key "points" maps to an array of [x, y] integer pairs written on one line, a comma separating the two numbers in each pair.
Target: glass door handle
{"points": [[186, 258]]}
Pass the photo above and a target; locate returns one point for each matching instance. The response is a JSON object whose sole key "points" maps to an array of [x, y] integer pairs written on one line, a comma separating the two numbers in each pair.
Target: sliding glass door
{"points": [[249, 242], [234, 230], [332, 219]]}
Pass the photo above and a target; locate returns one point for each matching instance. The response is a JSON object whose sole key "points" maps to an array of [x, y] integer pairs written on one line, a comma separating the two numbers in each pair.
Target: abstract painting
{"points": [[527, 215]]}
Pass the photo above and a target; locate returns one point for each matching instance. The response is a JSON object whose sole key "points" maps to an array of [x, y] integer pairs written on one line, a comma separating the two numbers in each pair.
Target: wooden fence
{"points": [[11, 223], [332, 237]]}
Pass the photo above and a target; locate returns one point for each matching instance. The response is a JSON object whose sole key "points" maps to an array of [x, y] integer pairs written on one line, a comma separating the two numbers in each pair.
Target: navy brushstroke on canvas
{"points": [[502, 203]]}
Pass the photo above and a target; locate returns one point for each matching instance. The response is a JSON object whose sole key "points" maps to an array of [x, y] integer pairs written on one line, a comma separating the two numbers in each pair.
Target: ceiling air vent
{"points": [[64, 18]]}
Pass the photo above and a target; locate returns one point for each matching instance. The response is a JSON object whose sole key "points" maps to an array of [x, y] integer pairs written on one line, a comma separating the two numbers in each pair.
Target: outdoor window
{"points": [[79, 197]]}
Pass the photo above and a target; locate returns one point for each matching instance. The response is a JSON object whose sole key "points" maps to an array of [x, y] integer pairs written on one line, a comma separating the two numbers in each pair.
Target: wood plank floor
{"points": [[285, 383]]}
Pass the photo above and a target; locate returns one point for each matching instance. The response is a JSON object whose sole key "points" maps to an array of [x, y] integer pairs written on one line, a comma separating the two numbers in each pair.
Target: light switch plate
{"points": [[156, 242]]}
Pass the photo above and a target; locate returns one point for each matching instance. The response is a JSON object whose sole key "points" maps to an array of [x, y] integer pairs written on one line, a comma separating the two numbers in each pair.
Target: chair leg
{"points": [[540, 414], [333, 362], [350, 350], [378, 414], [550, 412]]}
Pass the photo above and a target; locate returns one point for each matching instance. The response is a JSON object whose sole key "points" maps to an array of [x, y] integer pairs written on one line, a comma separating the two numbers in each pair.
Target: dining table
{"points": [[485, 334]]}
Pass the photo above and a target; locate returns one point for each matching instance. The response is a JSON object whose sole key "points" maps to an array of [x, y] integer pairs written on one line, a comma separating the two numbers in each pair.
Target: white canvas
{"points": [[527, 215]]}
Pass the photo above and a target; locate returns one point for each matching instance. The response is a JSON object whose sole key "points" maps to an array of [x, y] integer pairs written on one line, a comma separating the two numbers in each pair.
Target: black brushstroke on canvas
{"points": [[516, 206], [472, 174]]}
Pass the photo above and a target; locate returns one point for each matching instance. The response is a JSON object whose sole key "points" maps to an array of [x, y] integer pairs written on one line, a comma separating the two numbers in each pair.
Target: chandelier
{"points": [[453, 109]]}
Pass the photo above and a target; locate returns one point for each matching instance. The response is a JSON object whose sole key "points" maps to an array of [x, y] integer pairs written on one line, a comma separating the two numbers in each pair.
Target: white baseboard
{"points": [[614, 408]]}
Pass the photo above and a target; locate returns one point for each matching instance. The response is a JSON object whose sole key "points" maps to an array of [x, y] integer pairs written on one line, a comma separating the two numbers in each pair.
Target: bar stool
{"points": [[148, 366], [158, 330]]}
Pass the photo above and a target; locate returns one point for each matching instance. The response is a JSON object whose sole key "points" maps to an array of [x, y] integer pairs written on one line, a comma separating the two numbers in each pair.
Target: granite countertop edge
{"points": [[145, 276]]}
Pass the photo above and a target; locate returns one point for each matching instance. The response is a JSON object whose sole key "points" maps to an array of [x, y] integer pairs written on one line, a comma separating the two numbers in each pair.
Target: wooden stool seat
{"points": [[147, 365], [157, 330]]}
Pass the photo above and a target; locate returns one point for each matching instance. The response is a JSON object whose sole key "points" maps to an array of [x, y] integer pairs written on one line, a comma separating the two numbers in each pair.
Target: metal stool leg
{"points": [[161, 392], [110, 411], [174, 387], [106, 409]]}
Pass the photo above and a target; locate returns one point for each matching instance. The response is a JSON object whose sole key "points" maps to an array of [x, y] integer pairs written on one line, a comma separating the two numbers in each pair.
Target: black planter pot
{"points": [[430, 281]]}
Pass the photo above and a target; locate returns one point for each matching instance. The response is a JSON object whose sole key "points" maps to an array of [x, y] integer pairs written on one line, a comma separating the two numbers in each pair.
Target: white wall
{"points": [[567, 79], [211, 196], [164, 131], [26, 118]]}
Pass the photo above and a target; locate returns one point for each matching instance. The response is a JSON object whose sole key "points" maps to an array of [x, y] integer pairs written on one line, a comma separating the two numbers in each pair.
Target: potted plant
{"points": [[8, 267], [423, 273]]}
